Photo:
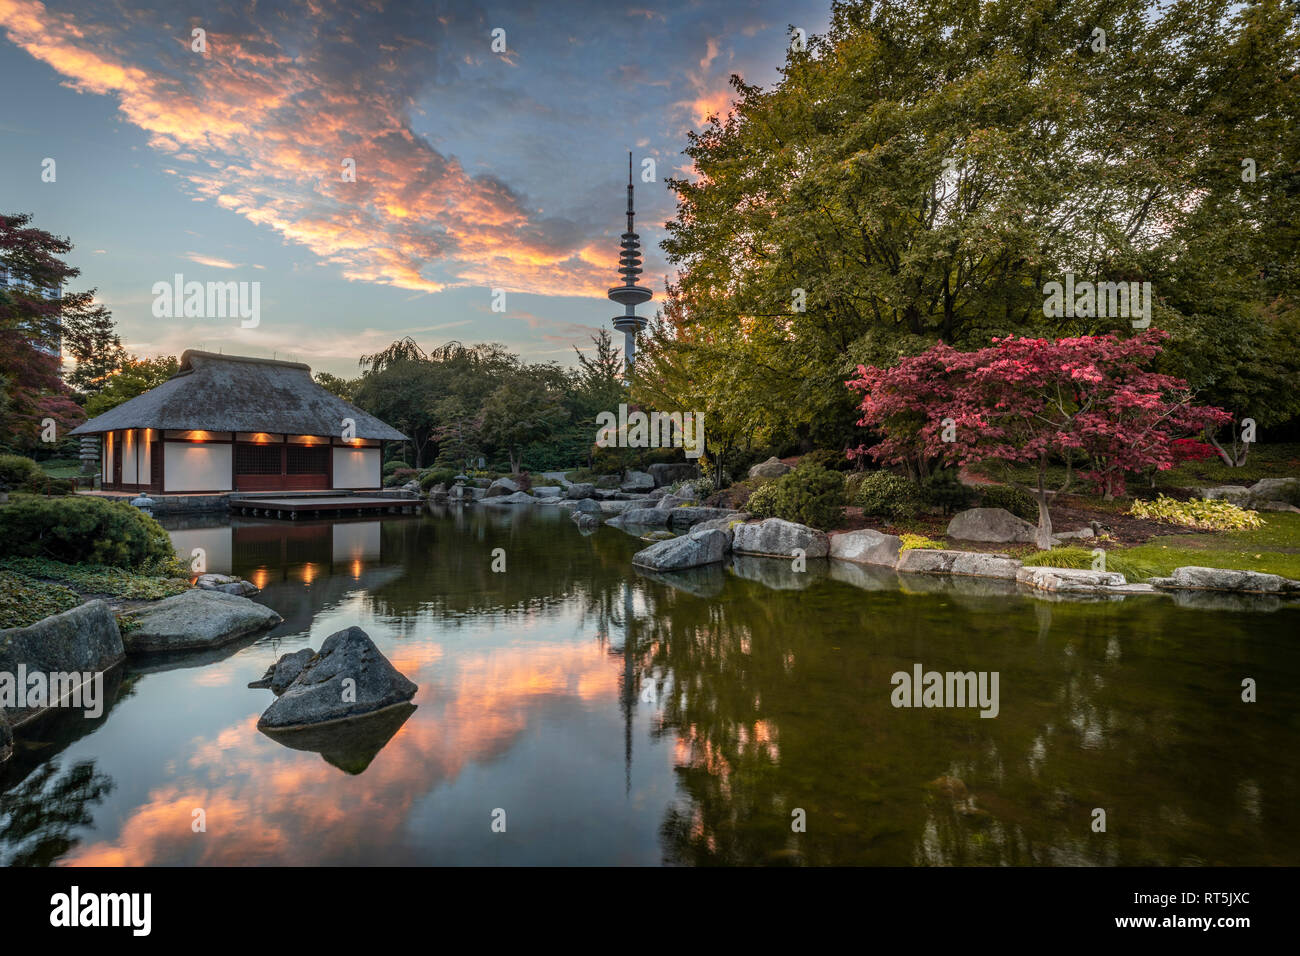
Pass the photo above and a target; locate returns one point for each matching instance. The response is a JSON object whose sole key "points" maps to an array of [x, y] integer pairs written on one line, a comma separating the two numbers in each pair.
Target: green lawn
{"points": [[1274, 548]]}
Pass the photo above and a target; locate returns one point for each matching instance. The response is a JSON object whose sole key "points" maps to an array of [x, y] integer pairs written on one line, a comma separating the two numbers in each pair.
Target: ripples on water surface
{"points": [[620, 719]]}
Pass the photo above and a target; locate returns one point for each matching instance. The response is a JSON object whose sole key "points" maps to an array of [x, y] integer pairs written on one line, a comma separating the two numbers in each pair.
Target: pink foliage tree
{"points": [[1032, 401]]}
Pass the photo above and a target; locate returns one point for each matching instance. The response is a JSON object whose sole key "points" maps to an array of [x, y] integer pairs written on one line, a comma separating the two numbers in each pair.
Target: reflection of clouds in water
{"points": [[267, 804]]}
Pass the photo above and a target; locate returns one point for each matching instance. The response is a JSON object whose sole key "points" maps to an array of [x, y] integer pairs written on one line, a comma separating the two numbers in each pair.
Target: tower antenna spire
{"points": [[629, 294]]}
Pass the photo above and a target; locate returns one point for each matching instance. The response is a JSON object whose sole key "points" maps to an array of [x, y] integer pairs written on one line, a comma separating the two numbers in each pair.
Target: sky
{"points": [[475, 170]]}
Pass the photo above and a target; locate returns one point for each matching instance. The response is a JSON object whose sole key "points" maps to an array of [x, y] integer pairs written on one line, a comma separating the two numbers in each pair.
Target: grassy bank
{"points": [[34, 588]]}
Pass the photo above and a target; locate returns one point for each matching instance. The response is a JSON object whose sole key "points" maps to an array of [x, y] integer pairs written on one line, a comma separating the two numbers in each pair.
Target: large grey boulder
{"points": [[1076, 580], [226, 584], [866, 547], [659, 494], [1233, 494], [348, 678], [1225, 579], [501, 487], [978, 565], [773, 536], [285, 671], [588, 506], [80, 641], [1275, 489], [195, 619], [517, 498], [665, 473], [548, 491], [607, 482], [991, 524], [691, 550], [617, 506], [673, 501], [643, 517], [927, 560], [689, 516], [772, 468], [726, 524], [579, 490], [638, 481]]}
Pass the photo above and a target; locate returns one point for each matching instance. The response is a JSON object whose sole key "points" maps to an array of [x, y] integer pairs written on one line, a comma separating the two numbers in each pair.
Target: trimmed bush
{"points": [[82, 530], [893, 496], [1016, 500], [944, 492], [809, 495], [17, 472], [436, 476]]}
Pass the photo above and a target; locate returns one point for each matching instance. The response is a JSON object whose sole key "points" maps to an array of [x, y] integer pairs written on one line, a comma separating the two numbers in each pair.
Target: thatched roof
{"points": [[235, 393]]}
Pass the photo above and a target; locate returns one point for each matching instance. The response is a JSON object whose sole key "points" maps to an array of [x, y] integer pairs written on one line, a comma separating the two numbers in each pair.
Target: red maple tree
{"points": [[1033, 401]]}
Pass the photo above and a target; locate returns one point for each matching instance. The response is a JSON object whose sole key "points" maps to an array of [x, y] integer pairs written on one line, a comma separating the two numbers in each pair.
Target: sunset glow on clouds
{"points": [[474, 169]]}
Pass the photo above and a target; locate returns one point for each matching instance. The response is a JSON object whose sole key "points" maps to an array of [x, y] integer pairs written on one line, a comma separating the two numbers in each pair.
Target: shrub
{"points": [[893, 496], [1205, 513], [1076, 557], [436, 476], [16, 472], [392, 466], [827, 458], [82, 530], [809, 495], [400, 476], [696, 489], [944, 491], [1016, 500], [762, 502], [43, 484], [913, 542]]}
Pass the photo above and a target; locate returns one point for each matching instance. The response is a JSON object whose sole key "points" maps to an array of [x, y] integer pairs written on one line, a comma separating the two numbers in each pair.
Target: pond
{"points": [[737, 716]]}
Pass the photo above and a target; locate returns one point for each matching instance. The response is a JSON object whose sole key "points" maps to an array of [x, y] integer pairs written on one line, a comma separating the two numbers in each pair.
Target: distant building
{"points": [[232, 423], [7, 283]]}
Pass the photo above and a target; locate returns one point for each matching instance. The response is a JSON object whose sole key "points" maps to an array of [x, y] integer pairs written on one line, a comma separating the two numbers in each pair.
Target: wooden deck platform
{"points": [[303, 506]]}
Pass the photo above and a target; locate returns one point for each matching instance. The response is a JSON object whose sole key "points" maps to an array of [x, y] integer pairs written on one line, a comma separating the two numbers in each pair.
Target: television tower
{"points": [[629, 294]]}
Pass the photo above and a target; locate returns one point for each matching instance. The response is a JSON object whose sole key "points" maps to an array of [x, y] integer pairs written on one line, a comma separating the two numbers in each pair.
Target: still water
{"points": [[617, 718]]}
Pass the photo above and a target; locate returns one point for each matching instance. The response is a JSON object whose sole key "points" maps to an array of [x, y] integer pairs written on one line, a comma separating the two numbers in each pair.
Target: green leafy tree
{"points": [[519, 413], [134, 377]]}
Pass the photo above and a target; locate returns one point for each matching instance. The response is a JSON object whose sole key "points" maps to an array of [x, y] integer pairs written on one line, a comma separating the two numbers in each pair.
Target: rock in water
{"points": [[689, 551], [225, 583], [348, 678], [579, 490], [285, 671], [773, 536], [196, 619], [638, 481], [502, 486], [351, 745], [83, 640], [866, 547]]}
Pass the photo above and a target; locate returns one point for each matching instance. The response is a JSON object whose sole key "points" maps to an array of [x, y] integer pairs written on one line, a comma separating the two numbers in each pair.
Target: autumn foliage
{"points": [[1090, 399]]}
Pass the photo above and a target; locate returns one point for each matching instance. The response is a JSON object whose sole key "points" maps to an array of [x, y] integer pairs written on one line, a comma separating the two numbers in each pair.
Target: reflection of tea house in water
{"points": [[233, 423]]}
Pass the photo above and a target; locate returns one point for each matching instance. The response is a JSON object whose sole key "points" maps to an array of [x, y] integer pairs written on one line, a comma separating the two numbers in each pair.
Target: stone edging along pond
{"points": [[712, 541]]}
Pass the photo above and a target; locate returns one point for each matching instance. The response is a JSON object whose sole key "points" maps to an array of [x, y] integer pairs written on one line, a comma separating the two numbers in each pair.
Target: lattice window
{"points": [[257, 459], [307, 459]]}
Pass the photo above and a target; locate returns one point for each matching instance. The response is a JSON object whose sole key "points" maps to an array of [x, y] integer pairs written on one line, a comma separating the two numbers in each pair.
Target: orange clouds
{"points": [[262, 126]]}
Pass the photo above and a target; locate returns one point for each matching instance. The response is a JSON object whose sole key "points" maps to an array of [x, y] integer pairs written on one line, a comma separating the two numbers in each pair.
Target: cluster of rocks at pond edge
{"points": [[348, 679], [632, 486], [88, 639], [711, 542]]}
